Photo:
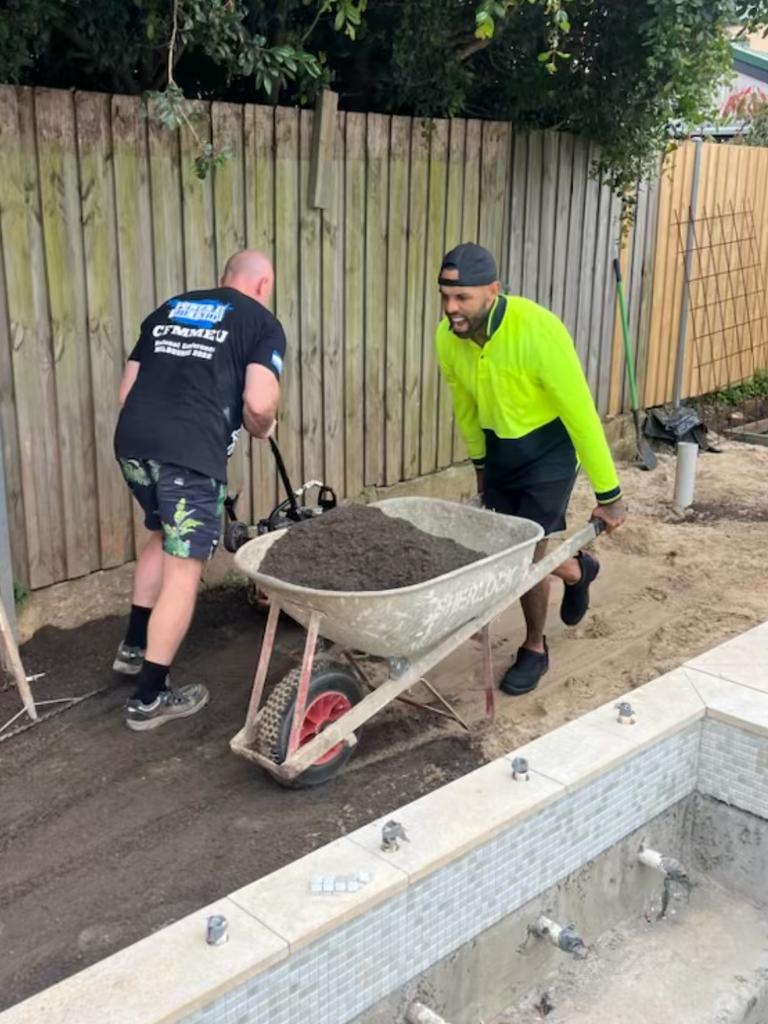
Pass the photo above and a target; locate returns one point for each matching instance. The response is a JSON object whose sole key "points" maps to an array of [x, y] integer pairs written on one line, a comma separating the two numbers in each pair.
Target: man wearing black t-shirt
{"points": [[206, 363]]}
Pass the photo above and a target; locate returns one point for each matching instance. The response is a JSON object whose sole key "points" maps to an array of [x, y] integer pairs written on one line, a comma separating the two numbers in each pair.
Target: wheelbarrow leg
{"points": [[260, 678], [306, 674], [490, 690]]}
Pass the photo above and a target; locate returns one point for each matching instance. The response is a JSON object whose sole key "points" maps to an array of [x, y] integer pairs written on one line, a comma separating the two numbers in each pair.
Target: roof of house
{"points": [[750, 62]]}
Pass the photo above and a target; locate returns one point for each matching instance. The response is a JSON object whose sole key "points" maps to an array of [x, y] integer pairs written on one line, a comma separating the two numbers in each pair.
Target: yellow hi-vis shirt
{"points": [[522, 402]]}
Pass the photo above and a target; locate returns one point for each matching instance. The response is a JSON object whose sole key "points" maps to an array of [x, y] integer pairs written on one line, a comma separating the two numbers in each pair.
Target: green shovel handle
{"points": [[625, 333]]}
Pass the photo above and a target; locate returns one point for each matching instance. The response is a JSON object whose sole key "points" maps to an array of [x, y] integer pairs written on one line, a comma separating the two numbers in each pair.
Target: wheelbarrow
{"points": [[308, 727]]}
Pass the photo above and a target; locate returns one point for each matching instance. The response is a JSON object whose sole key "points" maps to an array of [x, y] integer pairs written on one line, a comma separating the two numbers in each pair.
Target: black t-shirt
{"points": [[185, 407]]}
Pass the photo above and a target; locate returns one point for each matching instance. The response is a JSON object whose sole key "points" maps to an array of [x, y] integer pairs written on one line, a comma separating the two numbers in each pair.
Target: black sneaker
{"points": [[524, 675], [575, 603], [167, 706], [128, 660]]}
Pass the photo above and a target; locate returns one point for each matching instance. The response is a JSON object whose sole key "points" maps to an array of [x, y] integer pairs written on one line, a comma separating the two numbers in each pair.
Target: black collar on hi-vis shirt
{"points": [[475, 265], [496, 315]]}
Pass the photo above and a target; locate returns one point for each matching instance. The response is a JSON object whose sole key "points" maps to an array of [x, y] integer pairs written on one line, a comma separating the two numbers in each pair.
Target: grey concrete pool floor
{"points": [[706, 965]]}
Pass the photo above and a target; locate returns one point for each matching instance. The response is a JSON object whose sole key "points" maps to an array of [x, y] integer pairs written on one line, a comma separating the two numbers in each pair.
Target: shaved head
{"points": [[250, 272]]}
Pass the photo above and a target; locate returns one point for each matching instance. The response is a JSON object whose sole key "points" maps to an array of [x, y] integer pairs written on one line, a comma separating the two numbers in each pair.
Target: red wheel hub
{"points": [[323, 710]]}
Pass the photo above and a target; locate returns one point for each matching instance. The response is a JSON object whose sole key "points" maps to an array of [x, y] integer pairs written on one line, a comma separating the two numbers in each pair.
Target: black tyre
{"points": [[235, 535], [333, 690]]}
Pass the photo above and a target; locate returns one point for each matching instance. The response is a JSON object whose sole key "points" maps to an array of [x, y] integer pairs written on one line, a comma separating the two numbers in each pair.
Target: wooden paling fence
{"points": [[711, 265], [102, 218]]}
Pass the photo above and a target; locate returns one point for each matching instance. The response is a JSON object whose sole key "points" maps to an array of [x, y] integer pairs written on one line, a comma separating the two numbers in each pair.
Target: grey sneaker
{"points": [[128, 660], [167, 706]]}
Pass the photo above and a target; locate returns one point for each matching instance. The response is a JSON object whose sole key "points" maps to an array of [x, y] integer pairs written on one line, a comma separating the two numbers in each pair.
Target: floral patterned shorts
{"points": [[185, 505]]}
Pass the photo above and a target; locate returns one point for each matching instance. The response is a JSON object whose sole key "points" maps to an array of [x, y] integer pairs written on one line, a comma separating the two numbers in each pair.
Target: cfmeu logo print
{"points": [[203, 313]]}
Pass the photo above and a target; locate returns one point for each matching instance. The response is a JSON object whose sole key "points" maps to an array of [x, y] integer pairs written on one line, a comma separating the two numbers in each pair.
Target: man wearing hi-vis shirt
{"points": [[525, 411]]}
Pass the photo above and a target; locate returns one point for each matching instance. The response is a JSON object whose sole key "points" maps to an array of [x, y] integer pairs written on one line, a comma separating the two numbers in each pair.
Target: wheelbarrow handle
{"points": [[569, 548]]}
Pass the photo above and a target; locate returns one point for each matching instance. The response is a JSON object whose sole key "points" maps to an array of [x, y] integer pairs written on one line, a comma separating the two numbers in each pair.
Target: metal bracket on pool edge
{"points": [[626, 716], [217, 930], [520, 769], [391, 834]]}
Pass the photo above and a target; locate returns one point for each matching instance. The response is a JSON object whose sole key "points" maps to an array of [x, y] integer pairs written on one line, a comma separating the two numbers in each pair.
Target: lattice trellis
{"points": [[728, 340]]}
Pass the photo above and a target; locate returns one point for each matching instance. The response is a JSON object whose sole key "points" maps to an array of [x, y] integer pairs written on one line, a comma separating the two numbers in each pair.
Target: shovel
{"points": [[644, 456]]}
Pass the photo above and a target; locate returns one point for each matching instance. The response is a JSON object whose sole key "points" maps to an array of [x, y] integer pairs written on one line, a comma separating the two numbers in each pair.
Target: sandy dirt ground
{"points": [[106, 835], [670, 587]]}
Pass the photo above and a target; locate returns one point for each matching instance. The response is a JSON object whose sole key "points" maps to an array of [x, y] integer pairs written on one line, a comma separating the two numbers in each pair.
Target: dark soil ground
{"points": [[732, 512], [357, 547], [107, 835], [722, 417]]}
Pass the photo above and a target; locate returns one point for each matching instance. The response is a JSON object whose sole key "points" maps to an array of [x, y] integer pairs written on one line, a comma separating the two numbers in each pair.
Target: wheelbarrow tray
{"points": [[407, 621]]}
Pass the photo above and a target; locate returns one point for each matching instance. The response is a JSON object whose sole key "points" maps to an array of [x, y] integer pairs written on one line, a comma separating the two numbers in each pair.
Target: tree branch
{"points": [[172, 44], [312, 27], [471, 48]]}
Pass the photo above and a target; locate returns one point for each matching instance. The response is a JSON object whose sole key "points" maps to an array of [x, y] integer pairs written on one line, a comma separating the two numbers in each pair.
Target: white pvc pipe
{"points": [[685, 475], [668, 866], [418, 1013], [651, 858], [548, 928]]}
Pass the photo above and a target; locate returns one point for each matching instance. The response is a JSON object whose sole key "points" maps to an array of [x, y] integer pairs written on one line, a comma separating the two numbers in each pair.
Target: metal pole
{"points": [[682, 331], [6, 567]]}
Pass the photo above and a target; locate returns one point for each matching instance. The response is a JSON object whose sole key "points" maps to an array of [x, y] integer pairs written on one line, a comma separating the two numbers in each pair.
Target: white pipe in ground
{"points": [[418, 1013], [668, 866], [564, 938], [685, 475], [651, 858], [548, 929]]}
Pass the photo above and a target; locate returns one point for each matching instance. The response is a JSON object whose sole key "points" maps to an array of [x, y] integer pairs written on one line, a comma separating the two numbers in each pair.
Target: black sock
{"points": [[151, 681], [137, 627]]}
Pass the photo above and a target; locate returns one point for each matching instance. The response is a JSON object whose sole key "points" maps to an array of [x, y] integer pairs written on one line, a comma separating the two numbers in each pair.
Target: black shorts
{"points": [[185, 505], [543, 503]]}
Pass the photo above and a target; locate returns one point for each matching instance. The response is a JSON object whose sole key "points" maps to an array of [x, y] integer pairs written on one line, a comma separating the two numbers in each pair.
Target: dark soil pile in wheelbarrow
{"points": [[357, 547]]}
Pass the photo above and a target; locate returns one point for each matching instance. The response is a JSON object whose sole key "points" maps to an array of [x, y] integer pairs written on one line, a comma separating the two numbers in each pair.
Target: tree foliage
{"points": [[747, 111], [124, 45], [616, 71]]}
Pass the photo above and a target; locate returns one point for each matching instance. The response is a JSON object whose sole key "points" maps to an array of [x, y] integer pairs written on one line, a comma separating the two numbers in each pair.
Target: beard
{"points": [[470, 326]]}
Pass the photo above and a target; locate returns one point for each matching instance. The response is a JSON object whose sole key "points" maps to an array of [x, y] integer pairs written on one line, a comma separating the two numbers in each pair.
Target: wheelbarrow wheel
{"points": [[333, 690]]}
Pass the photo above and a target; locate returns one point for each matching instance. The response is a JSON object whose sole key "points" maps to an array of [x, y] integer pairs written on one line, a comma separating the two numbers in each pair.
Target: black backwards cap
{"points": [[476, 266]]}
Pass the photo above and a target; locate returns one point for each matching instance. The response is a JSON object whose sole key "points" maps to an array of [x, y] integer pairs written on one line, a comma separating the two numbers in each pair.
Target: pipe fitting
{"points": [[670, 867], [418, 1013], [520, 769], [677, 885], [565, 938]]}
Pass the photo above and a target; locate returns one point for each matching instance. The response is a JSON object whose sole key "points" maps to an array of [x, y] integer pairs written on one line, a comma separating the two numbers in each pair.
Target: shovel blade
{"points": [[645, 456]]}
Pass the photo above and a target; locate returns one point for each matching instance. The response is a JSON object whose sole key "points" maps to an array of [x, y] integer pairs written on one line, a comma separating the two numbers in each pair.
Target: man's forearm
{"points": [[258, 424]]}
